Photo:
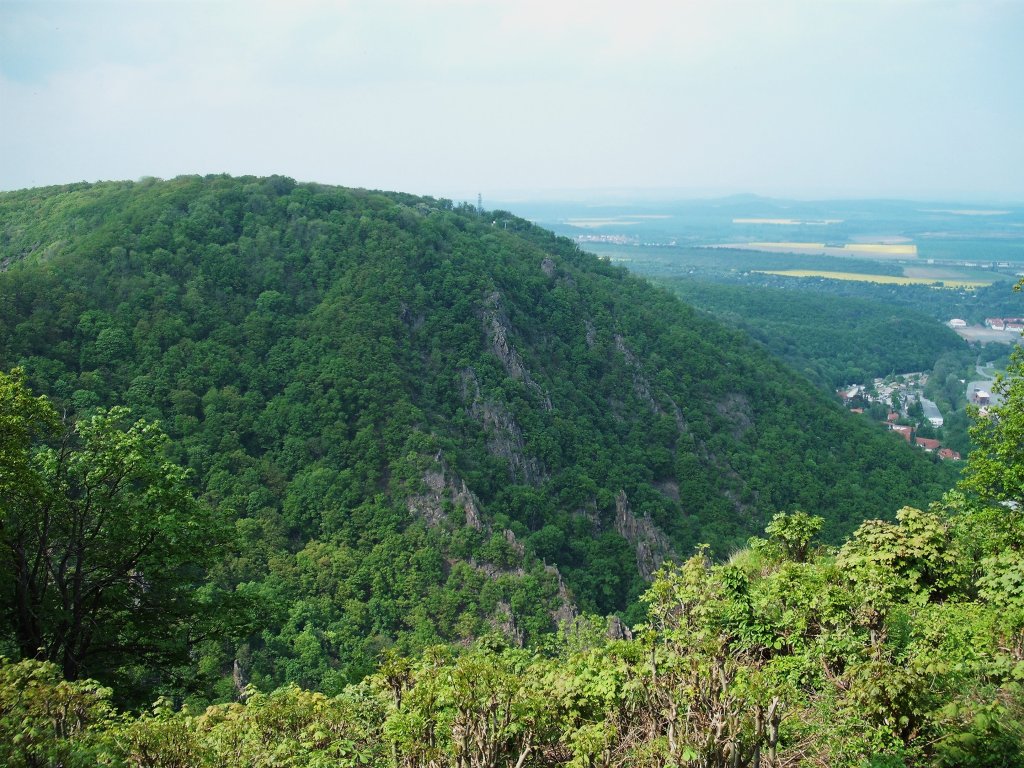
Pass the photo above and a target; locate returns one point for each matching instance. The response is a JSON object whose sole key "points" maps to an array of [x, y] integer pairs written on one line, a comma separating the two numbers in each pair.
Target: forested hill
{"points": [[408, 409]]}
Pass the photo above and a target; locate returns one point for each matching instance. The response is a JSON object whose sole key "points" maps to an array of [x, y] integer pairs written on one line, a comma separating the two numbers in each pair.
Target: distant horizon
{"points": [[600, 196]]}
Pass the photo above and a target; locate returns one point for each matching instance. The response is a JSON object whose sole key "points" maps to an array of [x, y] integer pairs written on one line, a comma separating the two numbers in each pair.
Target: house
{"points": [[995, 323], [981, 397], [893, 415], [948, 455], [931, 446], [848, 393], [956, 322], [904, 432], [856, 410]]}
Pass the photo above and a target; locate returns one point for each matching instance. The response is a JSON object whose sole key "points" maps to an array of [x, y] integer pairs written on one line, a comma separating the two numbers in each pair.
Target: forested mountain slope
{"points": [[409, 411]]}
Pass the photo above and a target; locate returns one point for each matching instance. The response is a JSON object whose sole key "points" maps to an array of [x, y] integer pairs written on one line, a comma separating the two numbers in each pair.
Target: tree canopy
{"points": [[103, 540]]}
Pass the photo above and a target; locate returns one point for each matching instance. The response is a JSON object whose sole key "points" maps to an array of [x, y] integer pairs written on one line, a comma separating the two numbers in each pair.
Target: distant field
{"points": [[885, 279], [888, 249], [933, 273], [876, 250]]}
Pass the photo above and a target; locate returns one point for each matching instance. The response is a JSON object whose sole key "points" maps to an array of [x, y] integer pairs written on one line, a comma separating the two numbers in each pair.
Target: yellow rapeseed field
{"points": [[888, 249], [885, 279], [876, 249]]}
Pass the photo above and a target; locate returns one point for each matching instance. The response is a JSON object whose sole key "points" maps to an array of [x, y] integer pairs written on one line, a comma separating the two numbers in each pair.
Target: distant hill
{"points": [[425, 419]]}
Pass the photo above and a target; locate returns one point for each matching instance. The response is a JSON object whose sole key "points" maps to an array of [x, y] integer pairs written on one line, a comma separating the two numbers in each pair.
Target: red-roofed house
{"points": [[892, 416], [949, 455], [904, 432], [928, 444]]}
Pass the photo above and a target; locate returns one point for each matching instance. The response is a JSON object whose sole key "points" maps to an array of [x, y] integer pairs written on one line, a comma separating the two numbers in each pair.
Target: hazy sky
{"points": [[899, 98]]}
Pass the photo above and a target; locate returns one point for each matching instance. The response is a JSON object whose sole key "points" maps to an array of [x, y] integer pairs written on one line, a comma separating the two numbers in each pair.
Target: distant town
{"points": [[1014, 324], [900, 399]]}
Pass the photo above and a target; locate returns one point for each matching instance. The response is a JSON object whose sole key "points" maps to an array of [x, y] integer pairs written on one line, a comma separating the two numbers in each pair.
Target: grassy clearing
{"points": [[884, 279]]}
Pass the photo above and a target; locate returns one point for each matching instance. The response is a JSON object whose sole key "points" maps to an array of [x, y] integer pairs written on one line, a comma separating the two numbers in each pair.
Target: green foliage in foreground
{"points": [[102, 543], [904, 647]]}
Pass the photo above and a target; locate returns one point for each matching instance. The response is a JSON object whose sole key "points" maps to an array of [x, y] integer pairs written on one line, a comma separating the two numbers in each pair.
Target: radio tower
{"points": [[479, 203]]}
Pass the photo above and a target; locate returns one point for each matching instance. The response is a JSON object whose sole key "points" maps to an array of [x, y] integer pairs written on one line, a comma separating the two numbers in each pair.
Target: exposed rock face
{"points": [[641, 386], [499, 329], [669, 488], [414, 322], [735, 409], [617, 630], [240, 679], [651, 544], [504, 621], [504, 436], [677, 414], [442, 485], [548, 267], [566, 611], [514, 543]]}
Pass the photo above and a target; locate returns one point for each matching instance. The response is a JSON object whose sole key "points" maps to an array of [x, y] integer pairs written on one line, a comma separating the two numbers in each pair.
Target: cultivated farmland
{"points": [[884, 279]]}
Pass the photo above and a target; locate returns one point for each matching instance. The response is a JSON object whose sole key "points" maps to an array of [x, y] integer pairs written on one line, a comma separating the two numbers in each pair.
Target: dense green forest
{"points": [[400, 422], [832, 341]]}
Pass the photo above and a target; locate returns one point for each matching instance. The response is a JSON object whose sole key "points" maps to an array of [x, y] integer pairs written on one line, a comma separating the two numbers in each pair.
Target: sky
{"points": [[920, 99]]}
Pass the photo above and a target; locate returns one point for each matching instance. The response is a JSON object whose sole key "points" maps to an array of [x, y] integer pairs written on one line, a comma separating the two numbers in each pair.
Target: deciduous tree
{"points": [[103, 541]]}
